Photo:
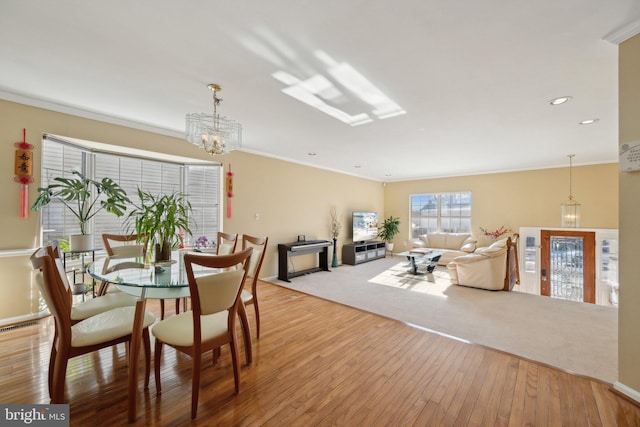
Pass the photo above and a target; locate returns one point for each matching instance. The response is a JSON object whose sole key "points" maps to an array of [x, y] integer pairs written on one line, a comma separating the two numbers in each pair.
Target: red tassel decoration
{"points": [[229, 188], [23, 165]]}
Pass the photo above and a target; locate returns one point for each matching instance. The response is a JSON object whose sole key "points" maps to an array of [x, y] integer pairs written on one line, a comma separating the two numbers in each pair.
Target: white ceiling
{"points": [[474, 77]]}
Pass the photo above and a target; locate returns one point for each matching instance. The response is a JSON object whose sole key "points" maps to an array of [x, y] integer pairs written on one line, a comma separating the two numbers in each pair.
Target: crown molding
{"points": [[84, 113], [623, 33]]}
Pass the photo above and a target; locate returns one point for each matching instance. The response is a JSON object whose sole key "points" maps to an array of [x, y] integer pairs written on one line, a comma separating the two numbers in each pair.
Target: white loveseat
{"points": [[451, 245], [486, 268]]}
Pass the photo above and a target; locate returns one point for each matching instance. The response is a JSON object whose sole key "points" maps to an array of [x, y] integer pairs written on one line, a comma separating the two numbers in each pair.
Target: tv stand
{"points": [[358, 253]]}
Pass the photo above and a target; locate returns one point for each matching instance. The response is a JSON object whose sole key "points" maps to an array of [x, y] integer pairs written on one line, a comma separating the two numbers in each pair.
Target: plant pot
{"points": [[81, 242], [164, 254], [389, 247]]}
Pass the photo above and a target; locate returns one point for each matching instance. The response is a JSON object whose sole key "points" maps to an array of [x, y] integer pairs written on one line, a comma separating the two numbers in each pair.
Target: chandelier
{"points": [[570, 208], [213, 133]]}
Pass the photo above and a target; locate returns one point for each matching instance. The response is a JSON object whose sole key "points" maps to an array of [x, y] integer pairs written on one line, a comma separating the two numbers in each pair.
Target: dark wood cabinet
{"points": [[362, 252]]}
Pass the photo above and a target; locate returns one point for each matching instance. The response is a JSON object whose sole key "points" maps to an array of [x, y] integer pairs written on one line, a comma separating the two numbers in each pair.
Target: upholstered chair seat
{"points": [[106, 326], [178, 329], [95, 306]]}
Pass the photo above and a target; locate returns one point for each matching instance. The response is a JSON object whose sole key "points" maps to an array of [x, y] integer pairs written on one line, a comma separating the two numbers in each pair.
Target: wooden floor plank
{"points": [[319, 363]]}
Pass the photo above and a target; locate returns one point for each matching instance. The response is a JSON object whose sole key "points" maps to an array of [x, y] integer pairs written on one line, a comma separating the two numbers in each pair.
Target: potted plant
{"points": [[388, 231], [163, 218], [84, 197]]}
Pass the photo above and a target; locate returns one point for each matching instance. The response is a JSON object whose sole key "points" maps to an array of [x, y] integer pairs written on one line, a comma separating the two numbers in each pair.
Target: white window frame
{"points": [[456, 223]]}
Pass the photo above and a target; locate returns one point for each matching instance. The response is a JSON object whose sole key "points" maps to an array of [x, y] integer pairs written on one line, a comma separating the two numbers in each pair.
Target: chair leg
{"points": [[161, 309], [234, 359], [52, 362], [195, 383], [147, 357], [256, 309], [59, 375], [102, 290], [177, 305], [156, 364], [215, 355], [246, 333]]}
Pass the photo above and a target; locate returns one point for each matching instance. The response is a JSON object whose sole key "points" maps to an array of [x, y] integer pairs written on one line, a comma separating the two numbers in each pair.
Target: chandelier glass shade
{"points": [[213, 133], [570, 208]]}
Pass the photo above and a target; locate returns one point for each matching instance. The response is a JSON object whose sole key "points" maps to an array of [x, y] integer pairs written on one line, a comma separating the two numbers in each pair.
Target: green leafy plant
{"points": [[389, 228], [84, 197], [162, 218]]}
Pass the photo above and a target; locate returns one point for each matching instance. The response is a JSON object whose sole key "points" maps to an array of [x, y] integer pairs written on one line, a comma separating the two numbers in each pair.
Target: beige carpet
{"points": [[576, 337]]}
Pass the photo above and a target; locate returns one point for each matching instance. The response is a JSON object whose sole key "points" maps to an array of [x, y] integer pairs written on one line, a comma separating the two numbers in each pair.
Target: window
{"points": [[200, 182], [446, 212]]}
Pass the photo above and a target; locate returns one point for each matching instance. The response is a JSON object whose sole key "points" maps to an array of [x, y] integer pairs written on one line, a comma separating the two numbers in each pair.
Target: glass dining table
{"points": [[165, 280]]}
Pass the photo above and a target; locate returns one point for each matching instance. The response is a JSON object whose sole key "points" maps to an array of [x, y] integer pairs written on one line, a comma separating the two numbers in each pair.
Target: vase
{"points": [[81, 242], [163, 254], [334, 260]]}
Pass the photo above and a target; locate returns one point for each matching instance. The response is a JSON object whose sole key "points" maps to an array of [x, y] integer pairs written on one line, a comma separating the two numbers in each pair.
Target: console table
{"points": [[285, 250]]}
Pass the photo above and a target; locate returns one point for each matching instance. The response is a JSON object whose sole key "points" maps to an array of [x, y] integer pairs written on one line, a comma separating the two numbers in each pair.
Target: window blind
{"points": [[201, 183]]}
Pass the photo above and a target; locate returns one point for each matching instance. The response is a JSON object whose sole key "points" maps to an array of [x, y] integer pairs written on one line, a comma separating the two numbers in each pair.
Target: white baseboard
{"points": [[22, 319], [627, 391]]}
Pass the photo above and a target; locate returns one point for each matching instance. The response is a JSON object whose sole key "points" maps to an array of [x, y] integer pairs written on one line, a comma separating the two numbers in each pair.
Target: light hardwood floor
{"points": [[320, 363]]}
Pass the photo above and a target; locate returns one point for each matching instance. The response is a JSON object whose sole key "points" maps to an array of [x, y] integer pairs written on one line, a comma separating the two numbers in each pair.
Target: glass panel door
{"points": [[568, 265]]}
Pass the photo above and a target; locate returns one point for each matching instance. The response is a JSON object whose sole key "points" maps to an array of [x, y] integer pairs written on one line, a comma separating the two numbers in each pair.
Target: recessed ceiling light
{"points": [[311, 153], [589, 122], [560, 100]]}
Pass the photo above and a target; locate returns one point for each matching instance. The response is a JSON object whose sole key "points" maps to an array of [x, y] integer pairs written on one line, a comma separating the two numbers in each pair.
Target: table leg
{"points": [[414, 266], [134, 354]]}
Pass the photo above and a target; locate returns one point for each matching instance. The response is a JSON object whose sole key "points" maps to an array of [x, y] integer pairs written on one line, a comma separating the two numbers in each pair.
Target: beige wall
{"points": [[629, 270], [519, 199], [290, 199]]}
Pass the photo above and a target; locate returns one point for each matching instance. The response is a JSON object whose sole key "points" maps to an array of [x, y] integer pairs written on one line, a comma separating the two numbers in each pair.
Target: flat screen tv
{"points": [[365, 226]]}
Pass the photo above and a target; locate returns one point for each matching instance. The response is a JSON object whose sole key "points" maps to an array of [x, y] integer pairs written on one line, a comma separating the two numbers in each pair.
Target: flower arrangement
{"points": [[495, 234], [334, 224], [202, 242]]}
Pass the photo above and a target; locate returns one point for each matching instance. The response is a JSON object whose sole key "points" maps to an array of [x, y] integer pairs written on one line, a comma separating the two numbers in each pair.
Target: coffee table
{"points": [[422, 257]]}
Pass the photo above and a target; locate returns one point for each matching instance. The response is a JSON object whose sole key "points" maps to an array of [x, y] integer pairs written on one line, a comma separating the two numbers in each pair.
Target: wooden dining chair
{"points": [[74, 339], [93, 306], [119, 247], [250, 296], [125, 245], [211, 323], [226, 243]]}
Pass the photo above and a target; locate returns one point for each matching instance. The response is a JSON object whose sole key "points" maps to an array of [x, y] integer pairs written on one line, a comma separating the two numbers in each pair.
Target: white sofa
{"points": [[486, 268], [450, 244]]}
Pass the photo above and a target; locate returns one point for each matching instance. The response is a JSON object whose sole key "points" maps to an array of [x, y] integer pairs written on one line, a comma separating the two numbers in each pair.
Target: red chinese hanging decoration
{"points": [[23, 171], [229, 188]]}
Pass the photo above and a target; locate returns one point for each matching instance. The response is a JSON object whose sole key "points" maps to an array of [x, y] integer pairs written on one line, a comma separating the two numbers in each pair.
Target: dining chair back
{"points": [[93, 306], [125, 245], [226, 243], [250, 296], [73, 339], [211, 323], [118, 247]]}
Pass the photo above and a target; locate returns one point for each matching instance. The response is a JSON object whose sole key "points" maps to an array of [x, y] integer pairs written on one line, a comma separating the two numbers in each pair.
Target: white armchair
{"points": [[486, 268]]}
